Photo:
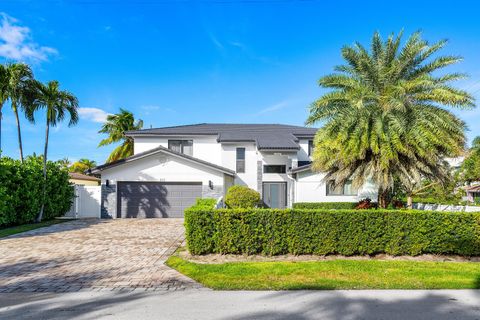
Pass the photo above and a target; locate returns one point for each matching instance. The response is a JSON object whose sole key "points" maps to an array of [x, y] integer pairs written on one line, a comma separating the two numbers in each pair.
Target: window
{"points": [[181, 146], [346, 190], [240, 160], [310, 148], [274, 168]]}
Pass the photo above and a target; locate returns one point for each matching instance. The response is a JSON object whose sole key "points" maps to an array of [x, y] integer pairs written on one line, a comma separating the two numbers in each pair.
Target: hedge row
{"points": [[322, 232], [21, 189], [325, 205]]}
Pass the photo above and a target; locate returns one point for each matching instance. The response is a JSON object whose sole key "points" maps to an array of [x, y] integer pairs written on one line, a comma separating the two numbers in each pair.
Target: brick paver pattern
{"points": [[121, 254]]}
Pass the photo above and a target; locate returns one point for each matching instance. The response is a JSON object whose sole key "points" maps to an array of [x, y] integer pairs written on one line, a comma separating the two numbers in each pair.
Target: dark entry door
{"points": [[275, 194], [156, 199]]}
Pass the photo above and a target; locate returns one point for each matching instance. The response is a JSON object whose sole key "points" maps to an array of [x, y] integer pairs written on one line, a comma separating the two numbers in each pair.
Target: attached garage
{"points": [[159, 183], [141, 199]]}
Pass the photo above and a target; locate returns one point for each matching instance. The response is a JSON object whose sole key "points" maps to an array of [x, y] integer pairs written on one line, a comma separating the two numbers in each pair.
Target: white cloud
{"points": [[275, 107], [93, 114], [149, 109], [16, 42]]}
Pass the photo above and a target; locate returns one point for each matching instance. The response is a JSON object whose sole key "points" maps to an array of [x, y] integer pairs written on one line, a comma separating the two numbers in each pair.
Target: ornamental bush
{"points": [[325, 205], [21, 190], [323, 231], [242, 197]]}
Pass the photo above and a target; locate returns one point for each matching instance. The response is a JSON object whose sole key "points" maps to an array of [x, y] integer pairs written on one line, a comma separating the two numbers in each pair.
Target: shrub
{"points": [[365, 204], [322, 232], [21, 189], [325, 205], [242, 197], [205, 203]]}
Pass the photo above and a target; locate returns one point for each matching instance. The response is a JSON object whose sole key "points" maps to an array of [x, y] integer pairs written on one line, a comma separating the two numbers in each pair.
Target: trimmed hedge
{"points": [[21, 189], [325, 205], [322, 232]]}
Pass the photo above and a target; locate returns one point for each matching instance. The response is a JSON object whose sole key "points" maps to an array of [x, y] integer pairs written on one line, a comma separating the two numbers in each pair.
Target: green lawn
{"points": [[26, 227], [334, 274]]}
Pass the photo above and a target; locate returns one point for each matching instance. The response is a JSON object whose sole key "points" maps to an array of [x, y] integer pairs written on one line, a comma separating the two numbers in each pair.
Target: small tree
{"points": [[242, 197]]}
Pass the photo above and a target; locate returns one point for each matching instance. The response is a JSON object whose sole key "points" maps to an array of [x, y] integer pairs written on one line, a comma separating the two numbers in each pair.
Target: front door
{"points": [[275, 194]]}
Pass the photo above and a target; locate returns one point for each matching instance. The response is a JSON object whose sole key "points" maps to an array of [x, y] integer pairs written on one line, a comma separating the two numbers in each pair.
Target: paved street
{"points": [[236, 305], [123, 254]]}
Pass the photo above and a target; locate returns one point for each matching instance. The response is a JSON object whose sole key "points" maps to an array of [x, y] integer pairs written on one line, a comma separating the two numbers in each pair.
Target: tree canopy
{"points": [[385, 115]]}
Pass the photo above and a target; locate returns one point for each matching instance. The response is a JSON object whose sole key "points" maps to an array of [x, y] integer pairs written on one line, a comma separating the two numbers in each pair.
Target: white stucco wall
{"points": [[161, 167], [303, 152], [229, 160], [204, 147], [309, 187]]}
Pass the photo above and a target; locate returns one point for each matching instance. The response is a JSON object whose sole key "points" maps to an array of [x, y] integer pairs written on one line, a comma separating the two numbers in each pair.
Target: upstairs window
{"points": [[274, 168], [240, 160], [310, 148], [346, 190], [181, 146]]}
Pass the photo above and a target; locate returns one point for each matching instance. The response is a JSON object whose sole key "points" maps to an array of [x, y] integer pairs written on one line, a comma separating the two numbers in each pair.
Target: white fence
{"points": [[86, 203], [445, 207]]}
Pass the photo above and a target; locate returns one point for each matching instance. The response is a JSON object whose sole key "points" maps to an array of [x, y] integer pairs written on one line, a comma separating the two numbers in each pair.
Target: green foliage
{"points": [[325, 205], [115, 127], [82, 165], [206, 203], [322, 232], [21, 190], [242, 197], [386, 115], [470, 169]]}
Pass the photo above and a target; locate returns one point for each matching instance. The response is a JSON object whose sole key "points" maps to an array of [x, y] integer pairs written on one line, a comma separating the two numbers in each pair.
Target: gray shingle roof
{"points": [[267, 136], [159, 149]]}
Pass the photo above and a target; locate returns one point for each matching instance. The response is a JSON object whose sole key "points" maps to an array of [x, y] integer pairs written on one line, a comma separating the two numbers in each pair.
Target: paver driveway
{"points": [[123, 254]]}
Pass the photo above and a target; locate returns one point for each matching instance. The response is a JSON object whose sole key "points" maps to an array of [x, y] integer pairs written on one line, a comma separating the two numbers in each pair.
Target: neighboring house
{"points": [[473, 193], [83, 179], [173, 166]]}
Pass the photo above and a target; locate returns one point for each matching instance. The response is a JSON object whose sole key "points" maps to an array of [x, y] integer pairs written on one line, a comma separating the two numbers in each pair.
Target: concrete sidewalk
{"points": [[206, 304]]}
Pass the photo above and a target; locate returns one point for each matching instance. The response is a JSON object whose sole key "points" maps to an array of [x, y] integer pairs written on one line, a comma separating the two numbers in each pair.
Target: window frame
{"points": [[183, 143], [239, 162], [310, 148], [342, 193], [282, 171]]}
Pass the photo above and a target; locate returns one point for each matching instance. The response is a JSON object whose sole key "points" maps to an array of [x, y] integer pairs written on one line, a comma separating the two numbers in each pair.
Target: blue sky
{"points": [[182, 62]]}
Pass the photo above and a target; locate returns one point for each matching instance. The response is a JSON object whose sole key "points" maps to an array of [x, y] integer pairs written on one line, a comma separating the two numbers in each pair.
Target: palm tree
{"points": [[385, 115], [115, 127], [82, 165], [19, 76], [3, 96], [57, 105], [64, 163]]}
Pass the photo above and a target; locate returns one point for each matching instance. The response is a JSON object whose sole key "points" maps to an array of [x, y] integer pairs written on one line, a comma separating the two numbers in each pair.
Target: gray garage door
{"points": [[156, 199]]}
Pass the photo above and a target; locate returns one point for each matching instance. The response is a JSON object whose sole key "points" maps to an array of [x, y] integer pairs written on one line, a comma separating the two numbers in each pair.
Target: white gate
{"points": [[86, 203]]}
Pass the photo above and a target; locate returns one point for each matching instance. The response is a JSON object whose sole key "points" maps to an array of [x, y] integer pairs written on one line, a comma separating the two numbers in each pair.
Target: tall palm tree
{"points": [[3, 96], [385, 116], [57, 105], [19, 76], [115, 127]]}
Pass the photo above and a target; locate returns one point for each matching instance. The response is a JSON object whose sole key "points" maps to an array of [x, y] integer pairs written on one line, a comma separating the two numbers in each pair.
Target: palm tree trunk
{"points": [[382, 198], [409, 202], [15, 111], [44, 195]]}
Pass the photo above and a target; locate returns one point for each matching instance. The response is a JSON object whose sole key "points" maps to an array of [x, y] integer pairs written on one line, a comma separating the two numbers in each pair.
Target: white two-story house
{"points": [[173, 166]]}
